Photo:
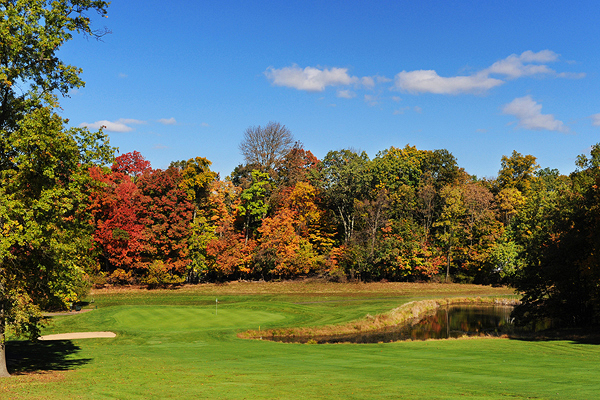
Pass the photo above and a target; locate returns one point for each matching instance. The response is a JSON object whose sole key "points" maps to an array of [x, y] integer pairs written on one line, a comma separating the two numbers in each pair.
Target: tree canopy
{"points": [[44, 180]]}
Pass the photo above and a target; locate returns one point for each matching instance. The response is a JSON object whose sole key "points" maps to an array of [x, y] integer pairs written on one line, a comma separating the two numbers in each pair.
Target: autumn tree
{"points": [[41, 191], [132, 164], [228, 251], [167, 214], [517, 171], [298, 165], [118, 233], [282, 251]]}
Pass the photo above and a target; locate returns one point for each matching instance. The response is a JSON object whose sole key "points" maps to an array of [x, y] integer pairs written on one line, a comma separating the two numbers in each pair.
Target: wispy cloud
{"points": [[371, 99], [595, 119], [120, 125], [428, 81], [346, 94], [529, 115], [167, 121], [402, 110]]}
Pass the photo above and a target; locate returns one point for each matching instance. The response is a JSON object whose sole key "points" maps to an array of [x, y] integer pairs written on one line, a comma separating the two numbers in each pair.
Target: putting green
{"points": [[189, 318]]}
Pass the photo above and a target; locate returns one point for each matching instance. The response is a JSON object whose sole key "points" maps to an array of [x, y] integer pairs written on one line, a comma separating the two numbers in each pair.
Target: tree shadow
{"points": [[25, 356], [575, 335]]}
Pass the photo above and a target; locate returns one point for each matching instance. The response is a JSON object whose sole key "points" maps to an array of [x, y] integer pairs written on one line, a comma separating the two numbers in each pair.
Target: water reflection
{"points": [[447, 322]]}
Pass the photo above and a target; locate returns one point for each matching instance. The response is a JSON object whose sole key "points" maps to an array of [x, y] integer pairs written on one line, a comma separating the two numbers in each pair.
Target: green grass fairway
{"points": [[171, 345]]}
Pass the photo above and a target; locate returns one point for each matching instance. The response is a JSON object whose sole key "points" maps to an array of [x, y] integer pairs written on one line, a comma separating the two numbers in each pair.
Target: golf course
{"points": [[183, 344]]}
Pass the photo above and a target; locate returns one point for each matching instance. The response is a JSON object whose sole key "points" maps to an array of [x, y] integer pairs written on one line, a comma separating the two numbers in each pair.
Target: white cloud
{"points": [[595, 119], [526, 64], [167, 121], [310, 79], [346, 94], [120, 125], [428, 81], [367, 81], [514, 66], [204, 124], [540, 56], [418, 109], [316, 79], [529, 115]]}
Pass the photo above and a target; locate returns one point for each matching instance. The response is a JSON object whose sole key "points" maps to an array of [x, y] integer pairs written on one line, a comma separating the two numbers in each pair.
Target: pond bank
{"points": [[406, 313]]}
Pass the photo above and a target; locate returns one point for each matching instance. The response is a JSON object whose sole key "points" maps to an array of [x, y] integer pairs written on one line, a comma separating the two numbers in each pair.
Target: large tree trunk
{"points": [[3, 370]]}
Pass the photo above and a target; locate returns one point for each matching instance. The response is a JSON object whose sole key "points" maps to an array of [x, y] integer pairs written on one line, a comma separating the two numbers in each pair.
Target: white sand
{"points": [[78, 335]]}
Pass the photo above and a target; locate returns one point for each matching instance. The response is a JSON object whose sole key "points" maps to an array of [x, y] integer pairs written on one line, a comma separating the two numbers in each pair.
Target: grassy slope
{"points": [[171, 344]]}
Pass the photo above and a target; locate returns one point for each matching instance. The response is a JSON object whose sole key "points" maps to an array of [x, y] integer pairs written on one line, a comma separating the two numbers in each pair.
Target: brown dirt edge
{"points": [[54, 314], [403, 314], [78, 335]]}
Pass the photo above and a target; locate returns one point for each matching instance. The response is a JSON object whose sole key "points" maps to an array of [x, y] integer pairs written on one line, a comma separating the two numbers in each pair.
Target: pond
{"points": [[447, 322]]}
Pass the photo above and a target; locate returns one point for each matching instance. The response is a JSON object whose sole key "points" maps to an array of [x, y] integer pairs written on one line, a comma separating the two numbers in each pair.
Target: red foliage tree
{"points": [[118, 232], [140, 222], [132, 164], [166, 213]]}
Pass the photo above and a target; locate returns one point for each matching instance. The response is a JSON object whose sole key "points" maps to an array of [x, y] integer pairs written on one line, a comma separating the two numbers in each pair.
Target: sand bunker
{"points": [[78, 335]]}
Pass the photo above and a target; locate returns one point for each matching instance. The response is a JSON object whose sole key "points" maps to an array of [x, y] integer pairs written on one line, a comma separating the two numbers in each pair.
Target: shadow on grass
{"points": [[580, 336], [25, 357]]}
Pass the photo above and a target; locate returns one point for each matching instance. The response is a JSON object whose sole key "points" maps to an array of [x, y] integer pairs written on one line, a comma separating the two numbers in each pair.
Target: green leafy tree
{"points": [[42, 164], [254, 203], [196, 181], [449, 223], [46, 237], [561, 240], [344, 178], [31, 35]]}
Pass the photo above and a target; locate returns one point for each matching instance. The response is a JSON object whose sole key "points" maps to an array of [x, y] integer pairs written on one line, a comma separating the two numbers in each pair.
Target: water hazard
{"points": [[448, 322]]}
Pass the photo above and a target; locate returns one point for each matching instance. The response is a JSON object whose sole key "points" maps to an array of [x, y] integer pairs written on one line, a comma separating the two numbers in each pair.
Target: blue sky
{"points": [[181, 79]]}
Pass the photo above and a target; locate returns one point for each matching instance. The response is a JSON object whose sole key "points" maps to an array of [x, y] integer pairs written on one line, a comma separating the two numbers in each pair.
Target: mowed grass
{"points": [[173, 345]]}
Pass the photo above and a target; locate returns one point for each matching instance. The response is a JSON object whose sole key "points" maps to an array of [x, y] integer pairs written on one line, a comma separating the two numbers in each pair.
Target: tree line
{"points": [[405, 215]]}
